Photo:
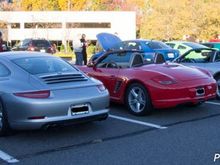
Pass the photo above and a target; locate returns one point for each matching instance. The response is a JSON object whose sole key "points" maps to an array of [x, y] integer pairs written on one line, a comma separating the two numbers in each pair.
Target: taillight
{"points": [[34, 95], [50, 50], [30, 48]]}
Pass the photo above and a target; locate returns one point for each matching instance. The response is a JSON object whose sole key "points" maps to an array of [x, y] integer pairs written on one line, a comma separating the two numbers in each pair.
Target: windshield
{"points": [[40, 43], [42, 65], [194, 45], [157, 45]]}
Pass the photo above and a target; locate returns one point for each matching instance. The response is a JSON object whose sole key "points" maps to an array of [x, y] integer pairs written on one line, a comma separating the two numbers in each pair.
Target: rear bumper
{"points": [[25, 113], [185, 93], [167, 103], [59, 121]]}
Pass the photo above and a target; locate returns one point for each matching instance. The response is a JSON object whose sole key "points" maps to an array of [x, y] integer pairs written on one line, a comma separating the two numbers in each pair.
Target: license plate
{"points": [[170, 55], [79, 109], [43, 50]]}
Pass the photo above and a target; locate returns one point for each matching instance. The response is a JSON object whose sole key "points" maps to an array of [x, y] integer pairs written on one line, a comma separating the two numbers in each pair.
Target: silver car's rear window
{"points": [[42, 65]]}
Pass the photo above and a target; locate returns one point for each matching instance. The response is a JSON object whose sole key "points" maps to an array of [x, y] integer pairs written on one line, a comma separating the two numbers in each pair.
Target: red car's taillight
{"points": [[34, 95], [51, 50], [30, 48]]}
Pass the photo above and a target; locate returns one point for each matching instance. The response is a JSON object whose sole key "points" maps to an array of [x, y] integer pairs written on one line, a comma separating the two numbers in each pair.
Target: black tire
{"points": [[217, 78], [138, 100], [4, 126]]}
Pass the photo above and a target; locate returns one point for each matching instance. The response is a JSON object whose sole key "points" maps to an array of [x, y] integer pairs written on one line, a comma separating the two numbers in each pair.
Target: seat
{"points": [[137, 60], [159, 58]]}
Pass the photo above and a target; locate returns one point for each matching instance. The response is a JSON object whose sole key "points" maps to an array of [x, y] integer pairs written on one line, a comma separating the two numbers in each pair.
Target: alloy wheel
{"points": [[137, 99]]}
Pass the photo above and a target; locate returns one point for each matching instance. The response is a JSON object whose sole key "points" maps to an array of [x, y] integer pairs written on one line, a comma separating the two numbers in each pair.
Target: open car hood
{"points": [[107, 40]]}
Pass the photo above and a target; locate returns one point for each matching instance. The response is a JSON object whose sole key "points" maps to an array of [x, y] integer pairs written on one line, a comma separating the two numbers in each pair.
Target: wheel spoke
{"points": [[140, 93], [141, 101], [138, 106], [132, 102], [134, 93]]}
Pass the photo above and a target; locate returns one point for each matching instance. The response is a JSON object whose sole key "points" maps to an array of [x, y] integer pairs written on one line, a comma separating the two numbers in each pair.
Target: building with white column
{"points": [[65, 25]]}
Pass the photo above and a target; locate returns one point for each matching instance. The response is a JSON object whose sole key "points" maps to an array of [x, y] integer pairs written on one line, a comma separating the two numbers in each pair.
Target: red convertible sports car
{"points": [[144, 85]]}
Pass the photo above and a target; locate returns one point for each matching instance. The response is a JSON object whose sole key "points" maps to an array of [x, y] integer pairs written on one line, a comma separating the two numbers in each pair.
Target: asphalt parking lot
{"points": [[182, 135]]}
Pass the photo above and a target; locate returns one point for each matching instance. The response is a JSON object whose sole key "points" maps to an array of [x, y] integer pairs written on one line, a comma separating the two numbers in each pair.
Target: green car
{"points": [[184, 46], [215, 45]]}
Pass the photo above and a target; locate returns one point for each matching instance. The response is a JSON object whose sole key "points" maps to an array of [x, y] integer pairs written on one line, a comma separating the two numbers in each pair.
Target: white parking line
{"points": [[138, 122], [209, 102], [9, 159]]}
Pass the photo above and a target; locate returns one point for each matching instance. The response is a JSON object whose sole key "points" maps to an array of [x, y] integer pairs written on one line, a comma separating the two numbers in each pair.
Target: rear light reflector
{"points": [[34, 95], [50, 50]]}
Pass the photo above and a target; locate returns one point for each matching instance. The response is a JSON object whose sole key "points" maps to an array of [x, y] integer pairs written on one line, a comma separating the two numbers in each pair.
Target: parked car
{"points": [[39, 45], [39, 90], [143, 87], [205, 58], [107, 42], [215, 45], [184, 46]]}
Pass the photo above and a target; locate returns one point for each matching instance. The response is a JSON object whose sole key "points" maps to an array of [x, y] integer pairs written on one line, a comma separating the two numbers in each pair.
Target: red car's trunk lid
{"points": [[179, 72]]}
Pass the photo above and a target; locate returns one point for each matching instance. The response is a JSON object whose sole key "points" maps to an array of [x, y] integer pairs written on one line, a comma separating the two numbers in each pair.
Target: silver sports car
{"points": [[206, 58], [38, 90]]}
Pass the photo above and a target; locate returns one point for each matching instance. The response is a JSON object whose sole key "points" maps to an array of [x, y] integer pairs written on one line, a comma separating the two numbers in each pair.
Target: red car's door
{"points": [[108, 69], [108, 76]]}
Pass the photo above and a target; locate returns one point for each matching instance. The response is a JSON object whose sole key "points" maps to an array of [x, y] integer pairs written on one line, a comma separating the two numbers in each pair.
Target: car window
{"points": [[217, 57], [4, 71], [39, 65], [181, 47], [199, 56], [157, 45], [171, 45], [132, 45], [121, 59], [40, 43], [208, 45], [194, 45], [24, 43]]}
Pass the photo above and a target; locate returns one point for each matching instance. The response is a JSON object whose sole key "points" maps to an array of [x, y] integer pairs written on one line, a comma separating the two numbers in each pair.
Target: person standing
{"points": [[84, 46], [1, 43], [77, 47]]}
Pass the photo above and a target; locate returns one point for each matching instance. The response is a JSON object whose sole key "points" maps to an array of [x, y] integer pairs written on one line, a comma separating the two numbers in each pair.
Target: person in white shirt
{"points": [[77, 48]]}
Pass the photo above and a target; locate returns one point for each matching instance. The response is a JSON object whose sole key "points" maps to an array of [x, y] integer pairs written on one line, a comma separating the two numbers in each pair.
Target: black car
{"points": [[39, 45]]}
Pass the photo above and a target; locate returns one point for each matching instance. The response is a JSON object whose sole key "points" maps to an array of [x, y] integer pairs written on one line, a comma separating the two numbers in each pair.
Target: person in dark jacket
{"points": [[1, 42], [84, 46], [3, 45]]}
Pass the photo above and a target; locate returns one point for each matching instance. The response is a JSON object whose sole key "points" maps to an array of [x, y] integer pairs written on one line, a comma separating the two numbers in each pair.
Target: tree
{"points": [[156, 19]]}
